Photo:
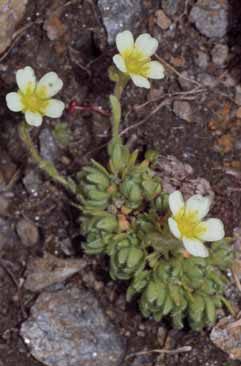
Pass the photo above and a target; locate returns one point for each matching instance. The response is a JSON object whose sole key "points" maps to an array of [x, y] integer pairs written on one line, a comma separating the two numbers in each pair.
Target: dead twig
{"points": [[161, 351], [138, 124], [74, 57], [170, 67]]}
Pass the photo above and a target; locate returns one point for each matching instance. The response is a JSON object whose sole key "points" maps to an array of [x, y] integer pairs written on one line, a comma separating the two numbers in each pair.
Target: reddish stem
{"points": [[74, 106]]}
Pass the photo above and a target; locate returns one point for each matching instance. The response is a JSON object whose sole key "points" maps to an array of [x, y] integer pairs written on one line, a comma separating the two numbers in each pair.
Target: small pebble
{"points": [[27, 232], [220, 54], [183, 110], [162, 20], [238, 95], [201, 60]]}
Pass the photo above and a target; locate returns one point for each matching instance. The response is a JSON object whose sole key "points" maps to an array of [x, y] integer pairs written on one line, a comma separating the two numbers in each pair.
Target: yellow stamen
{"points": [[136, 62], [34, 101], [189, 224]]}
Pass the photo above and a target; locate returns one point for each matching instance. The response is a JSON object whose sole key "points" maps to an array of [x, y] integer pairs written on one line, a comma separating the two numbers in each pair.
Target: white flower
{"points": [[34, 98], [134, 58], [186, 223]]}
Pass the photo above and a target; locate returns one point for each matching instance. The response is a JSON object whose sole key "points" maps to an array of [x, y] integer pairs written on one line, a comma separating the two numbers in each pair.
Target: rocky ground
{"points": [[47, 284]]}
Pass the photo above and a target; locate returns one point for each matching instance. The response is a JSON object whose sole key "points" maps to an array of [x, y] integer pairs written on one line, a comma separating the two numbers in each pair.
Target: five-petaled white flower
{"points": [[34, 98], [134, 58], [186, 223]]}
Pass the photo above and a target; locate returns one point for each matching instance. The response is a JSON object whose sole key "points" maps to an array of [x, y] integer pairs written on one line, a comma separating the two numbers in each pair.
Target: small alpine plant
{"points": [[173, 261]]}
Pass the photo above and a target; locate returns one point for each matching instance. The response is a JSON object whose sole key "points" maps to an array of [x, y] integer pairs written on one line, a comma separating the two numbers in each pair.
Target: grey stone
{"points": [[170, 6], [27, 232], [220, 54], [50, 270], [183, 110], [185, 80], [210, 17], [178, 175], [201, 60], [119, 15], [69, 328], [207, 80], [48, 145], [32, 182]]}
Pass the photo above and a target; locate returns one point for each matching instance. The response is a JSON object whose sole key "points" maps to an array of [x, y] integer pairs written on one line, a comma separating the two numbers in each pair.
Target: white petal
{"points": [[33, 119], [26, 80], [140, 81], [174, 228], [176, 202], [156, 70], [214, 230], [54, 109], [195, 247], [120, 63], [147, 44], [14, 102], [124, 41], [49, 85], [199, 204]]}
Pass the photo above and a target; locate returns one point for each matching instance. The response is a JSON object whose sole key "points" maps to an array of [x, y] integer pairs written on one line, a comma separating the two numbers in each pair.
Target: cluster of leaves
{"points": [[125, 217]]}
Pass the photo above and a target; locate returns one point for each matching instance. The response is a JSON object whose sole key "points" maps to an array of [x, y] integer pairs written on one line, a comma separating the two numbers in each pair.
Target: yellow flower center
{"points": [[189, 224], [34, 101], [136, 62]]}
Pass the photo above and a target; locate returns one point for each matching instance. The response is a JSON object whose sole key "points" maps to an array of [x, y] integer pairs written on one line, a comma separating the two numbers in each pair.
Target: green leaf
{"points": [[197, 307], [175, 294], [122, 255], [134, 257], [210, 309], [135, 193], [98, 178], [168, 305], [98, 195], [108, 224], [116, 158], [152, 292], [162, 295]]}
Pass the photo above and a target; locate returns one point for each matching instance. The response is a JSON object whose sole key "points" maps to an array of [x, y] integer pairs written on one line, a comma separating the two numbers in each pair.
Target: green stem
{"points": [[120, 85], [45, 165]]}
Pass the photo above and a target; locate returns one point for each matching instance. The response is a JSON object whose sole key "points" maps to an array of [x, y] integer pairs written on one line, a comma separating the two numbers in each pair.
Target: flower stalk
{"points": [[43, 164]]}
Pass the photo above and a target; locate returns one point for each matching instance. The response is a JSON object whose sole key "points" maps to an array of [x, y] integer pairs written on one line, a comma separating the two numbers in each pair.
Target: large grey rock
{"points": [[11, 12], [69, 328], [119, 15], [211, 17]]}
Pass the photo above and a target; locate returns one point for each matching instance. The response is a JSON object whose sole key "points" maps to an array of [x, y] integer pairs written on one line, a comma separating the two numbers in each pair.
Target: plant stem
{"points": [[43, 164], [120, 85]]}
